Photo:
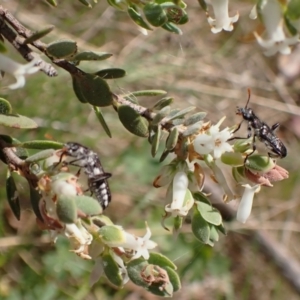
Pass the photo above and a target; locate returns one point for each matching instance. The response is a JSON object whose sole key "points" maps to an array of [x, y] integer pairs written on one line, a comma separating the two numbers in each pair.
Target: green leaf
{"points": [[171, 28], [5, 107], [66, 209], [164, 155], [137, 18], [161, 260], [92, 89], [112, 73], [13, 195], [160, 115], [180, 113], [40, 156], [138, 267], [203, 4], [40, 144], [88, 205], [214, 235], [200, 228], [102, 121], [52, 2], [17, 121], [174, 279], [148, 93], [195, 118], [155, 14], [162, 103], [172, 139], [111, 270], [222, 229], [38, 34], [155, 141], [61, 49], [89, 55], [35, 200], [132, 121], [134, 268], [192, 129], [209, 213], [77, 89], [293, 10]]}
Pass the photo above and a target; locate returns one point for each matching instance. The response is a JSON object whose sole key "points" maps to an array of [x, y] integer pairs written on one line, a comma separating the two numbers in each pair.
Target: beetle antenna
{"points": [[249, 94]]}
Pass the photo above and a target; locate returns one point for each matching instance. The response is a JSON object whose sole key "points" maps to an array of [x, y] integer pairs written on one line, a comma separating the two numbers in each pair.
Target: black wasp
{"points": [[87, 159], [260, 130]]}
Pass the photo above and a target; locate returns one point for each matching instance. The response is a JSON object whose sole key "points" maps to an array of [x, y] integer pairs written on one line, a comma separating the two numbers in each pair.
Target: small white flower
{"points": [[79, 237], [17, 70], [245, 206], [214, 141], [180, 205], [222, 19], [131, 242], [271, 13]]}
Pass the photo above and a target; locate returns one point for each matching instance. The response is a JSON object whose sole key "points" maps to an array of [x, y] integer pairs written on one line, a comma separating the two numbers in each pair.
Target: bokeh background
{"points": [[212, 72]]}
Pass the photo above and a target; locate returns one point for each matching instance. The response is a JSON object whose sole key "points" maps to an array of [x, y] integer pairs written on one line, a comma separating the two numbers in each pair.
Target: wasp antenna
{"points": [[249, 94]]}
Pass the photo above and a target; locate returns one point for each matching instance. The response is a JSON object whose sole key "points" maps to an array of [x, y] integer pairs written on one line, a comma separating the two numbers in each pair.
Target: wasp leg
{"points": [[253, 148], [275, 126]]}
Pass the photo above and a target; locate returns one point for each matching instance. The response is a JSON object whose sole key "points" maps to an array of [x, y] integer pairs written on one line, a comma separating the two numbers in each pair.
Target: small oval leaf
{"points": [[102, 121], [195, 118], [172, 139], [181, 113], [39, 34], [200, 228], [155, 141], [17, 121], [161, 260], [209, 213], [111, 270], [149, 93], [66, 209], [162, 103], [160, 115], [61, 49], [77, 90], [137, 18], [5, 107], [112, 73], [40, 144], [155, 14], [92, 89], [40, 156], [89, 55], [52, 2], [88, 205], [171, 28], [132, 121]]}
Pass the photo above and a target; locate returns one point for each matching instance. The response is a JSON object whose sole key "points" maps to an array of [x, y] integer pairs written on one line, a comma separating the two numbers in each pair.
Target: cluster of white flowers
{"points": [[271, 14]]}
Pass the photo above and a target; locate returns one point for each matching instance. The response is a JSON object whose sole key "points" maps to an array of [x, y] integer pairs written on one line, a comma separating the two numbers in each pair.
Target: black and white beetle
{"points": [[260, 130], [87, 159]]}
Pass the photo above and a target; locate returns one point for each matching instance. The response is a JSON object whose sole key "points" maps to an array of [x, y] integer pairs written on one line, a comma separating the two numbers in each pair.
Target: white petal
{"points": [[245, 206]]}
